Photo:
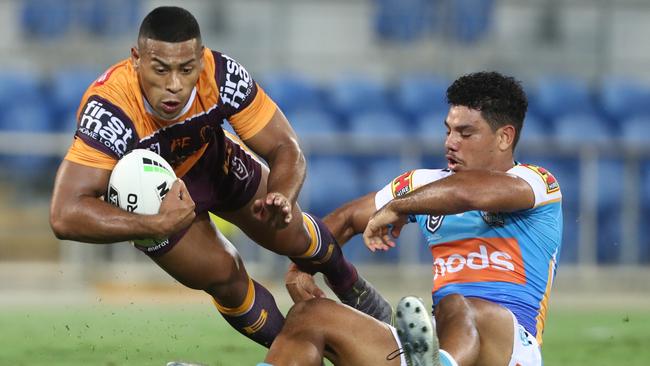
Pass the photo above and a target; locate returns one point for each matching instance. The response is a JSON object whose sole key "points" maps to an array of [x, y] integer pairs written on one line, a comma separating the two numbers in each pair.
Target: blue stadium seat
{"points": [[313, 123], [331, 181], [66, 89], [557, 96], [114, 18], [635, 130], [23, 106], [292, 92], [374, 124], [418, 95], [572, 129], [623, 98], [27, 117], [20, 86], [535, 130], [46, 19], [644, 228], [432, 128], [405, 20], [470, 20], [356, 94]]}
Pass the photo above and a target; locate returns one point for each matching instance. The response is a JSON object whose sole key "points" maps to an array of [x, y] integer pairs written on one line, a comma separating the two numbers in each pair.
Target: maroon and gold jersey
{"points": [[114, 116]]}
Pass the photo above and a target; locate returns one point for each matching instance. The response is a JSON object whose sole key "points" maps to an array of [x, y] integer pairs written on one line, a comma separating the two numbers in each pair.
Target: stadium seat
{"points": [[27, 117], [120, 18], [313, 123], [635, 131], [644, 228], [431, 127], [557, 96], [20, 86], [470, 20], [66, 89], [404, 21], [623, 98], [575, 129], [374, 125], [23, 106], [292, 92], [354, 94], [418, 95], [331, 181], [535, 130], [46, 19]]}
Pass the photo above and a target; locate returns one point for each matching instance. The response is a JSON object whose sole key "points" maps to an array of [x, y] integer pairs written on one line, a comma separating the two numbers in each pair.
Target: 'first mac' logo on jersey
{"points": [[237, 85], [100, 123]]}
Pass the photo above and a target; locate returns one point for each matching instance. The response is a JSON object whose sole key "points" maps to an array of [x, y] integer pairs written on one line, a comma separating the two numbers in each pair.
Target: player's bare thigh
{"points": [[204, 259], [494, 323], [354, 338], [290, 241]]}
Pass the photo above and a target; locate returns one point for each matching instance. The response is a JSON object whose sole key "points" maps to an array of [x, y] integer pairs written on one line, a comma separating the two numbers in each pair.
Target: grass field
{"points": [[136, 334]]}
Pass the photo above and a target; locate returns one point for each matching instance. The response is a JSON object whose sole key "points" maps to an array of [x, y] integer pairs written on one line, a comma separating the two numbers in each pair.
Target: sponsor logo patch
{"points": [[100, 124], [402, 184], [551, 183], [238, 83], [478, 260]]}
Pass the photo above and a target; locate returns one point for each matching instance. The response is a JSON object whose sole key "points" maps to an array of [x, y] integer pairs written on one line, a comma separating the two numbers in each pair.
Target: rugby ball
{"points": [[138, 184]]}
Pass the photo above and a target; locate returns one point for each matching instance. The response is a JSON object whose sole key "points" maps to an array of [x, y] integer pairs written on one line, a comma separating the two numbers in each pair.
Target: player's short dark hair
{"points": [[500, 99], [169, 24]]}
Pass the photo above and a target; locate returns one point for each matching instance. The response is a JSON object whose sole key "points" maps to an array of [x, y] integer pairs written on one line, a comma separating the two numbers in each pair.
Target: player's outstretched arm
{"points": [[463, 191], [351, 218], [278, 145], [77, 211], [460, 192]]}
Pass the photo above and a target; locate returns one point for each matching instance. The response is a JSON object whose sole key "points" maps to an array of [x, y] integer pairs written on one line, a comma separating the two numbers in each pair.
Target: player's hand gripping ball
{"points": [[138, 184]]}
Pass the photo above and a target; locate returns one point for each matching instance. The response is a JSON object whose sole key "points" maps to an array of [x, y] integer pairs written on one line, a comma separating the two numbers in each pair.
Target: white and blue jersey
{"points": [[506, 258]]}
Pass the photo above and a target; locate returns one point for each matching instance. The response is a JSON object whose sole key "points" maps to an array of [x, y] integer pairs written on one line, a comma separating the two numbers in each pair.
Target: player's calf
{"points": [[324, 255]]}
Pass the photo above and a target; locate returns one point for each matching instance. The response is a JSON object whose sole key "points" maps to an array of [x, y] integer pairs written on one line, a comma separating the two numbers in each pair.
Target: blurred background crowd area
{"points": [[363, 83]]}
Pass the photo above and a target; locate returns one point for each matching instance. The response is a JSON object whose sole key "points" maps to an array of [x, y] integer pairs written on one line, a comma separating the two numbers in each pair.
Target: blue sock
{"points": [[446, 359], [264, 364]]}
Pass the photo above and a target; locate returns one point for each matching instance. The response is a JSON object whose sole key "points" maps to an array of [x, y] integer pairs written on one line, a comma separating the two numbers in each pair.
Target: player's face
{"points": [[168, 71], [471, 143]]}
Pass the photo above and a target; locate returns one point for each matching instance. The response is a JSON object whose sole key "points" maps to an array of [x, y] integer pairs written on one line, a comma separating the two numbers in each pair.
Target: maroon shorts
{"points": [[225, 178]]}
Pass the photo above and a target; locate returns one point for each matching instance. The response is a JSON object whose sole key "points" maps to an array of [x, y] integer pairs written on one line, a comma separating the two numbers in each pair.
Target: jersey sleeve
{"points": [[104, 134], [406, 183], [245, 104], [545, 187]]}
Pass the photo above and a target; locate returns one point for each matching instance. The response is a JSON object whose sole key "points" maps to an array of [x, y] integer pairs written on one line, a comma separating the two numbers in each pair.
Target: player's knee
{"points": [[219, 278], [454, 305], [310, 311]]}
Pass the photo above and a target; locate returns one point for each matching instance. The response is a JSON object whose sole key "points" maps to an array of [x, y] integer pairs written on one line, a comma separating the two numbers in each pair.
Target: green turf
{"points": [[142, 335]]}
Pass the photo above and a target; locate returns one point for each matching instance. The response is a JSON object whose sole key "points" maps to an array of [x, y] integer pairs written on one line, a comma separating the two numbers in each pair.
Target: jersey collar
{"points": [[186, 108]]}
